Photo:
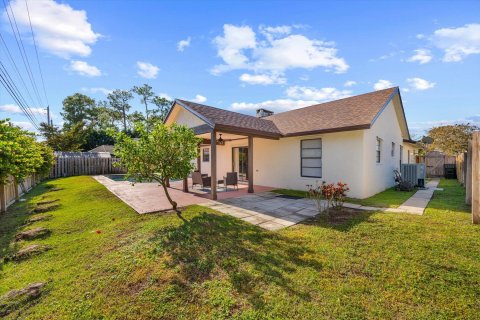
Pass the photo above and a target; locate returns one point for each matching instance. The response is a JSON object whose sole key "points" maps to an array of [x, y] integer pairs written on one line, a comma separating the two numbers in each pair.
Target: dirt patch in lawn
{"points": [[14, 299], [31, 250], [31, 234]]}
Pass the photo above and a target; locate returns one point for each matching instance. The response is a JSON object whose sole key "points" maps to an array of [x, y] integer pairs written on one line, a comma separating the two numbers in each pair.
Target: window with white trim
{"points": [[311, 158], [206, 155], [378, 150]]}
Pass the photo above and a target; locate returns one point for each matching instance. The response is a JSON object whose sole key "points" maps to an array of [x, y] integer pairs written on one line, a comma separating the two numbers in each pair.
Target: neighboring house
{"points": [[105, 150], [358, 140]]}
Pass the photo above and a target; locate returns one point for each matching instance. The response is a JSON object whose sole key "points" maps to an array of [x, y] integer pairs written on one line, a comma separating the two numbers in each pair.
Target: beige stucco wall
{"points": [[379, 176], [277, 162]]}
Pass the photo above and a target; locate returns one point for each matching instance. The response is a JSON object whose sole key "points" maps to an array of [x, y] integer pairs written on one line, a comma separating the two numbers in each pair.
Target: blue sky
{"points": [[241, 55]]}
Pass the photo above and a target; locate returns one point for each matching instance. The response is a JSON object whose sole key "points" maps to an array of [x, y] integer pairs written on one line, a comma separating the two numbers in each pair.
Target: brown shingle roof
{"points": [[229, 119], [357, 112]]}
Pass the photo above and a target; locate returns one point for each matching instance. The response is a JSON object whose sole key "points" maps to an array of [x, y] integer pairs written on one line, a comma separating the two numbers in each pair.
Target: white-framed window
{"points": [[378, 150], [205, 154], [393, 149], [311, 158]]}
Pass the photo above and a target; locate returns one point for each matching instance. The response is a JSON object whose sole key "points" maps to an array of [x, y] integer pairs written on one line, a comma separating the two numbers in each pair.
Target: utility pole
{"points": [[48, 115]]}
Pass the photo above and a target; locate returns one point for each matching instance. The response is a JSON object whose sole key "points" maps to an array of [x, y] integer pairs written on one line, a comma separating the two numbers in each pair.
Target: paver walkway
{"points": [[148, 197], [268, 210], [416, 204]]}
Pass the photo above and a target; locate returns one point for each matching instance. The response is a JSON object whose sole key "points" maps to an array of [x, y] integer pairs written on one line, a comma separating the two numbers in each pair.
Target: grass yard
{"points": [[389, 198], [354, 266]]}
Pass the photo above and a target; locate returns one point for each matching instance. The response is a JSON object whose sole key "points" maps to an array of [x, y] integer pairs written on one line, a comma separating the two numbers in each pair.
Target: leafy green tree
{"points": [[78, 108], [163, 106], [451, 139], [48, 159], [146, 95], [20, 154], [160, 154], [118, 100], [65, 139]]}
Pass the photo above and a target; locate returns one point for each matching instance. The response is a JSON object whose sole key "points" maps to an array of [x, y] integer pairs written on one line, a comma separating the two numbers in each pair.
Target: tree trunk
{"points": [[124, 120], [173, 203], [146, 110]]}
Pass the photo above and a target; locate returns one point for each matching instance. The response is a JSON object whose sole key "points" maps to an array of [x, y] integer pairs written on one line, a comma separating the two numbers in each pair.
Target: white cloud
{"points": [[278, 52], [84, 69], [166, 96], [231, 46], [105, 91], [382, 84], [420, 84], [24, 125], [12, 108], [458, 43], [199, 99], [277, 105], [350, 83], [147, 70], [421, 56], [263, 79], [420, 36], [271, 32], [59, 29], [182, 44], [320, 94]]}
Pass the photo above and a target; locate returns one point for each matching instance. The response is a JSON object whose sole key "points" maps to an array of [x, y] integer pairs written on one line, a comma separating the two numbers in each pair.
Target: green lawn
{"points": [[354, 266], [389, 198]]}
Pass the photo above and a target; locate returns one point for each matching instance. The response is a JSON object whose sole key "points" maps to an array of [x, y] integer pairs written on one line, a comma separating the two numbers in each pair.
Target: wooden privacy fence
{"points": [[472, 183], [461, 167], [11, 191], [77, 166]]}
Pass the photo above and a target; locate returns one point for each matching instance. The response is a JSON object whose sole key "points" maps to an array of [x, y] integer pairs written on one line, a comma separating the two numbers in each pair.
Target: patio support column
{"points": [[213, 164], [250, 164], [199, 160]]}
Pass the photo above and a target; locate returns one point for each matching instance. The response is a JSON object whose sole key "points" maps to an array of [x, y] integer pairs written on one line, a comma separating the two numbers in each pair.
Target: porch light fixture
{"points": [[220, 141]]}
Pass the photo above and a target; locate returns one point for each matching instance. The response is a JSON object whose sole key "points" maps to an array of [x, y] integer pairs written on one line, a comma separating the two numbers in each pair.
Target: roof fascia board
{"points": [[333, 130], [394, 93]]}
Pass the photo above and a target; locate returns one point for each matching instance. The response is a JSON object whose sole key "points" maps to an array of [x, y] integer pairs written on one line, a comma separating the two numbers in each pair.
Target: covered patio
{"points": [[227, 146]]}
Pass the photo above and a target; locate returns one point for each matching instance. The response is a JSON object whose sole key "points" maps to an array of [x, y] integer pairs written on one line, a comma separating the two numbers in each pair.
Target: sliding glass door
{"points": [[240, 162]]}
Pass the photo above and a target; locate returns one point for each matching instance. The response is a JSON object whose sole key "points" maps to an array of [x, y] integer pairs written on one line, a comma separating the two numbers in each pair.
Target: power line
{"points": [[5, 80], [16, 68], [11, 87], [23, 53], [38, 62]]}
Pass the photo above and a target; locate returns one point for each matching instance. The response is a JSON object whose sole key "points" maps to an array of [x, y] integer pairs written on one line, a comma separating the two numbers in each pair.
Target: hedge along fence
{"points": [[83, 163], [11, 191]]}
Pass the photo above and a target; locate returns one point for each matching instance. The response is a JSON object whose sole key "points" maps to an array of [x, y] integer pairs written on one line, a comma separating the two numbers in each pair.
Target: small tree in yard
{"points": [[159, 154]]}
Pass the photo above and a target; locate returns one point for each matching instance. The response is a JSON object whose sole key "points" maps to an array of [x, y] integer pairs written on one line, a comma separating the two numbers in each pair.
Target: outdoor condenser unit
{"points": [[414, 173]]}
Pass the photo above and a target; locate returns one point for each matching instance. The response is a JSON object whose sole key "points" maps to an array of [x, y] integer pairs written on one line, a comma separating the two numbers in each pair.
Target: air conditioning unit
{"points": [[415, 173]]}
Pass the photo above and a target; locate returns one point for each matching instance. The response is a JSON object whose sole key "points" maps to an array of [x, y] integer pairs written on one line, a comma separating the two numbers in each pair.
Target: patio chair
{"points": [[231, 179], [198, 178]]}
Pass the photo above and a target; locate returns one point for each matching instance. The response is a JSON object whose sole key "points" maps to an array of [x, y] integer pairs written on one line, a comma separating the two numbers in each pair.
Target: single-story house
{"points": [[358, 140], [105, 150]]}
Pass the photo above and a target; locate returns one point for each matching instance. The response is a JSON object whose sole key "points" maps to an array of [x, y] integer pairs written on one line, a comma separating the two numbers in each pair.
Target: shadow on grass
{"points": [[209, 246], [15, 219], [342, 219]]}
